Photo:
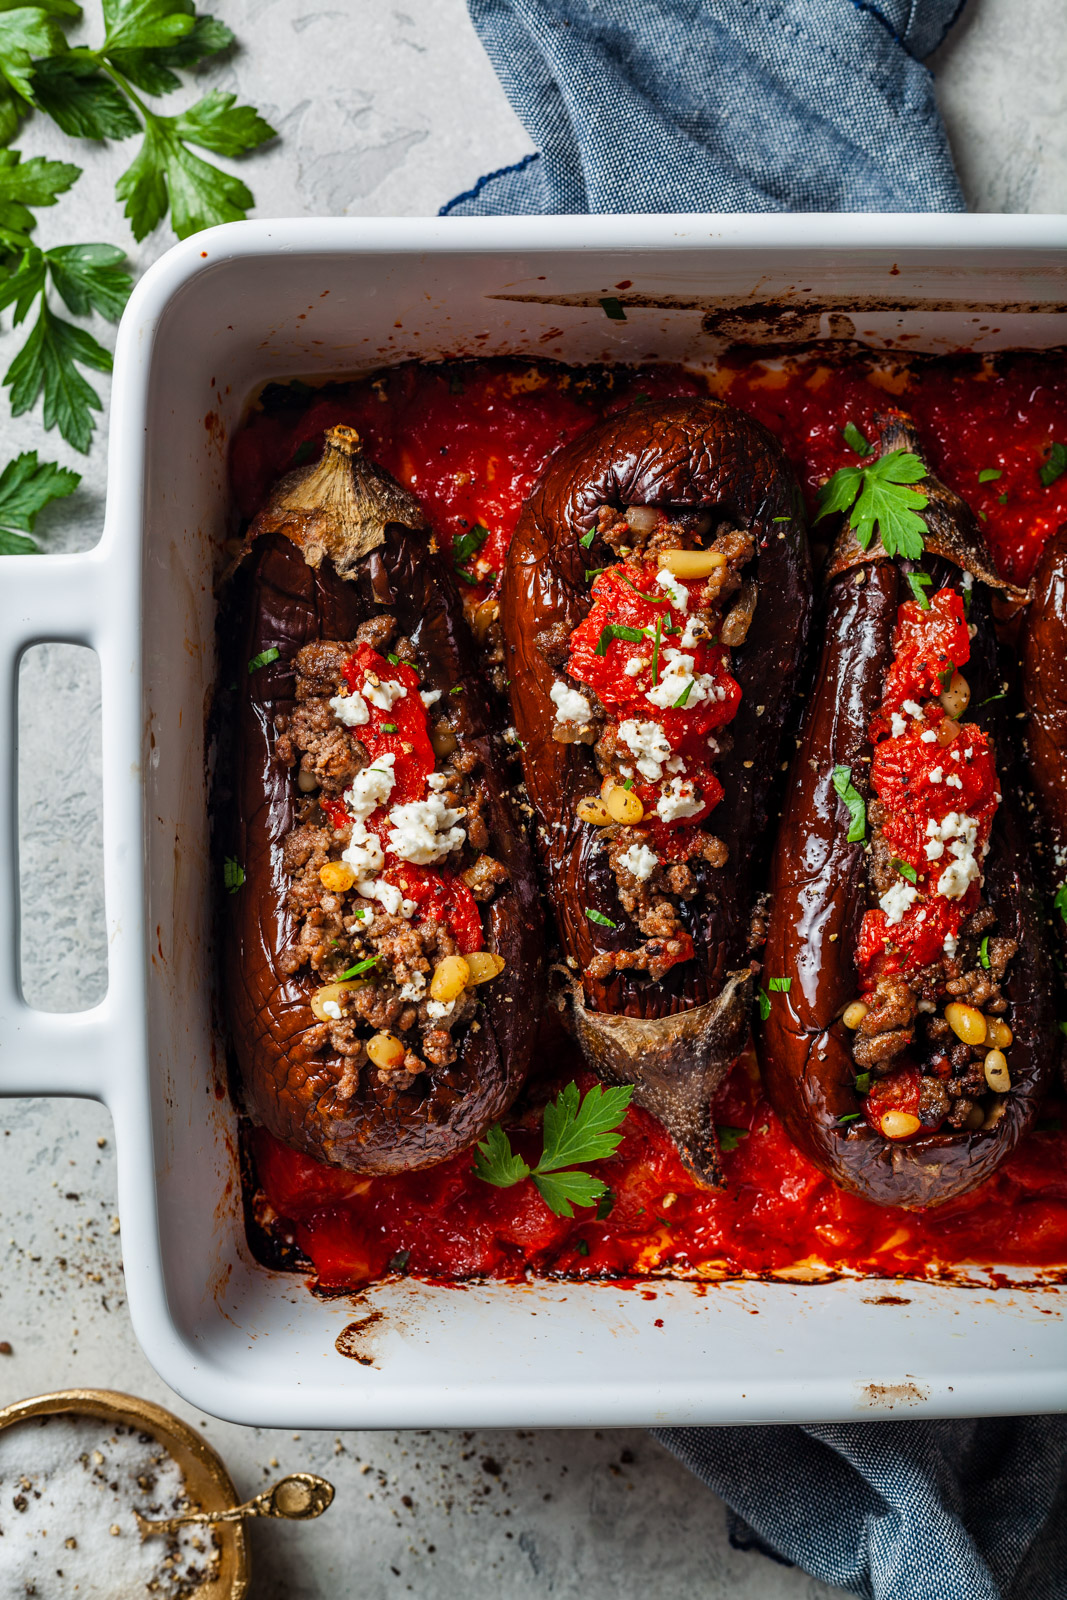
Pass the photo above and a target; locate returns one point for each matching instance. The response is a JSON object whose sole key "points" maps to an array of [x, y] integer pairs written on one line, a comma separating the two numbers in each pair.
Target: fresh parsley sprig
{"points": [[26, 487], [576, 1128], [878, 498], [857, 810]]}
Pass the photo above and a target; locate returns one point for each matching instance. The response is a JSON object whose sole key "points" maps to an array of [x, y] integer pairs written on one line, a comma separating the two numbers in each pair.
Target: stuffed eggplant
{"points": [[383, 929], [907, 1035], [656, 606], [1044, 686]]}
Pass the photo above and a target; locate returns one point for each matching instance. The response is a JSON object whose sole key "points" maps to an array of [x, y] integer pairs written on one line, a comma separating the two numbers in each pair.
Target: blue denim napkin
{"points": [[718, 105]]}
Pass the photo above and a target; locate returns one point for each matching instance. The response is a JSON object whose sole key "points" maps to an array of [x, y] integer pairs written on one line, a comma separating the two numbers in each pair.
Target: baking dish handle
{"points": [[68, 598]]}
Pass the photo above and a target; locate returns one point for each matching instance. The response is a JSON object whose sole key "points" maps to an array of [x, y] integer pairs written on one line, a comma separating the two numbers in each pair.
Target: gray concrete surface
{"points": [[382, 111]]}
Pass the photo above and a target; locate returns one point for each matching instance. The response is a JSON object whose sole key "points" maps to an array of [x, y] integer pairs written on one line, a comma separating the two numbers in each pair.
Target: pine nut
{"points": [[337, 876], [899, 1124], [643, 519], [957, 697], [333, 993], [385, 1050], [854, 1014], [306, 782], [484, 966], [592, 809], [998, 1033], [450, 978], [623, 805], [483, 618], [966, 1023], [443, 741], [996, 1072], [692, 563]]}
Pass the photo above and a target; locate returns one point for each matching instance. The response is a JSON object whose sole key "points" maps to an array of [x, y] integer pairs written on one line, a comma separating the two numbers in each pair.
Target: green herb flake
{"points": [[457, 690], [857, 810], [599, 918], [1059, 901], [389, 727], [605, 1205], [879, 498], [233, 874], [918, 583], [684, 696], [655, 651], [587, 538], [849, 1116], [360, 966], [781, 519], [594, 572], [1055, 466], [763, 1000], [612, 308], [779, 985], [855, 440], [615, 630], [582, 1247], [989, 475], [983, 952], [393, 660], [730, 1138], [465, 545], [863, 1082], [1002, 499], [264, 659], [905, 869]]}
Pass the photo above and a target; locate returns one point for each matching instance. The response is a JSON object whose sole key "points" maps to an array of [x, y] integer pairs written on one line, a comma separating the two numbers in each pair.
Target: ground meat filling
{"points": [[930, 1027], [644, 680], [403, 929]]}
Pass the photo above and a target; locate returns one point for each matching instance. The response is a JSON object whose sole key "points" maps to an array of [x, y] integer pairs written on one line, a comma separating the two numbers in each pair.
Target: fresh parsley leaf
{"points": [[26, 487], [1059, 901], [165, 172], [264, 659], [562, 1191], [615, 630], [23, 184], [1055, 466], [583, 1130], [857, 810], [918, 583], [27, 32], [464, 545], [150, 69], [360, 966], [905, 869], [684, 696], [82, 100], [779, 985], [946, 675], [881, 501], [599, 918], [495, 1162], [855, 440], [763, 1000], [613, 308], [90, 277], [989, 474], [983, 952], [48, 362], [863, 1082], [587, 538], [730, 1138], [233, 874]]}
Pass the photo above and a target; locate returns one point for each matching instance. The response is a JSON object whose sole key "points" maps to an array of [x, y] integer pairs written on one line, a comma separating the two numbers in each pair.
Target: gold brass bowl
{"points": [[207, 1481]]}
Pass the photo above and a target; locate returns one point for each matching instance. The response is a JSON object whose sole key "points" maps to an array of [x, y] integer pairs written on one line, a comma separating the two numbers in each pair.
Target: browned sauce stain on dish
{"points": [[887, 1395], [348, 1341], [888, 1300]]}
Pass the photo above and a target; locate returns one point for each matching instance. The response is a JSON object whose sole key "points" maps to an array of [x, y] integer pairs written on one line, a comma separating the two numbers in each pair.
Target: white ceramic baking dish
{"points": [[213, 319]]}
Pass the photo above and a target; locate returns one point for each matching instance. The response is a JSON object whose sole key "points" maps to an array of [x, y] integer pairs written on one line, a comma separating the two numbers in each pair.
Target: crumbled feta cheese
{"points": [[634, 665], [680, 800], [937, 774], [371, 787], [415, 988], [366, 916], [437, 781], [934, 850], [364, 853], [897, 725], [960, 832], [968, 580], [439, 1008], [570, 705], [640, 860], [678, 679], [673, 588], [913, 708], [425, 830], [676, 764], [696, 630], [896, 900], [387, 895], [928, 736], [429, 697], [384, 694], [968, 753], [648, 742], [952, 782], [626, 772], [950, 945], [350, 709], [332, 1010]]}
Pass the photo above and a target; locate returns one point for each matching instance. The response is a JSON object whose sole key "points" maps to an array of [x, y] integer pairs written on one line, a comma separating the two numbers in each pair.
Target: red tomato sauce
{"points": [[470, 439]]}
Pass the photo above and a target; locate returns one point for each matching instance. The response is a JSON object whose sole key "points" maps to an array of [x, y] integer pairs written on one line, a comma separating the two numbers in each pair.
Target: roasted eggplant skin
{"points": [[675, 1038], [819, 895], [280, 601], [1044, 687]]}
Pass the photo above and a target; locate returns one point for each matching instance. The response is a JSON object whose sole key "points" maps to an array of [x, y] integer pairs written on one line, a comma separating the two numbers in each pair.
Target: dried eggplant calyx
{"points": [[340, 506]]}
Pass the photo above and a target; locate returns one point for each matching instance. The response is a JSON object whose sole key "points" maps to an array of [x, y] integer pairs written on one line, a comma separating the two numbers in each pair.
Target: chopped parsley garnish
{"points": [[918, 583], [264, 659], [465, 545], [905, 869], [730, 1138], [389, 727], [587, 538], [616, 630], [857, 810], [879, 499], [628, 783], [1002, 499], [233, 874], [605, 1205], [360, 966], [684, 696], [983, 952], [989, 474], [781, 519], [575, 1129], [457, 690], [594, 572], [863, 1082], [763, 1000], [946, 676], [779, 985], [364, 914], [653, 599], [1055, 466], [849, 1116], [988, 701], [599, 918], [613, 308], [582, 1247], [1059, 901], [855, 440], [655, 651], [394, 659]]}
